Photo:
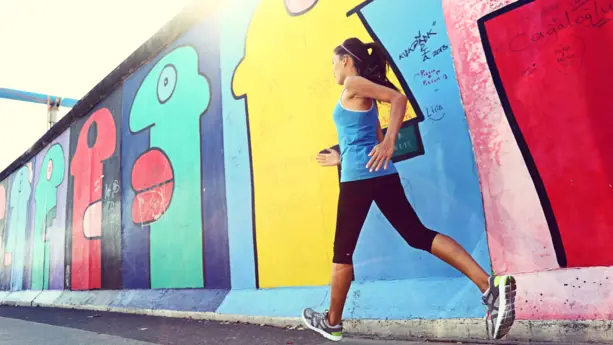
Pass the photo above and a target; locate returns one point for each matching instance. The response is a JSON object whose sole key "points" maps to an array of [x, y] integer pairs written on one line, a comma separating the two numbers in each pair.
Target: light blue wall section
{"points": [[235, 18], [19, 203], [393, 300], [442, 185]]}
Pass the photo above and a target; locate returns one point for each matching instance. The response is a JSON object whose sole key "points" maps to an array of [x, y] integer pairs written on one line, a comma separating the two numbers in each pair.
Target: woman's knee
{"points": [[341, 256], [421, 239]]}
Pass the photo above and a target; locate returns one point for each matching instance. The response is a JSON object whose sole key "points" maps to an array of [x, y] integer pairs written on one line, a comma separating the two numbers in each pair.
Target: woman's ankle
{"points": [[334, 320]]}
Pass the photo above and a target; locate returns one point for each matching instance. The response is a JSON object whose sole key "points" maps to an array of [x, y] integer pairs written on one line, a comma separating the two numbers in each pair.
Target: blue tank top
{"points": [[357, 136]]}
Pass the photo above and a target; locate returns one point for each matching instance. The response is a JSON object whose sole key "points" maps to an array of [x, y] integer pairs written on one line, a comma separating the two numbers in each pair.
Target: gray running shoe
{"points": [[500, 302], [318, 322]]}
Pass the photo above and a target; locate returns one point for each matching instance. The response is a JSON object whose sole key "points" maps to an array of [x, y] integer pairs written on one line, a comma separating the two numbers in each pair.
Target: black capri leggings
{"points": [[354, 202]]}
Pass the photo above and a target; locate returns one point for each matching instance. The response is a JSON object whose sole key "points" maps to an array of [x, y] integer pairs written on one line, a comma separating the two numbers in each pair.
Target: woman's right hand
{"points": [[329, 158]]}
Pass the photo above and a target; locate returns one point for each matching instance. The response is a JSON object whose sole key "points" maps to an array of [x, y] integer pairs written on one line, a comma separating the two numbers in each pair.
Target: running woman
{"points": [[368, 176]]}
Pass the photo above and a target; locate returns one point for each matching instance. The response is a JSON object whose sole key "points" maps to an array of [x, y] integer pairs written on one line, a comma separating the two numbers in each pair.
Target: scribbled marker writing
{"points": [[435, 112], [420, 41], [595, 16], [430, 77]]}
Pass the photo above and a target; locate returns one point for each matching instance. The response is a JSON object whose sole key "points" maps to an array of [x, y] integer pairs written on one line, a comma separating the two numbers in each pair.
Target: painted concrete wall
{"points": [[543, 164], [198, 173]]}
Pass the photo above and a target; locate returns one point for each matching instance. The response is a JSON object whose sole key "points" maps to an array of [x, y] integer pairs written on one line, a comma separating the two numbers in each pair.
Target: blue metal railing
{"points": [[33, 97]]}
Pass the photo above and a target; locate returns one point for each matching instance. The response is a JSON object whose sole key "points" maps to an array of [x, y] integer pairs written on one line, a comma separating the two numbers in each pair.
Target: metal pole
{"points": [[53, 102], [32, 97], [52, 109]]}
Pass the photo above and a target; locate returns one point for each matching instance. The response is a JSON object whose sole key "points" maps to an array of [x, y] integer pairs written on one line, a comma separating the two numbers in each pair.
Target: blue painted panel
{"points": [[27, 267], [278, 302], [235, 17], [442, 185], [138, 299], [205, 38], [100, 298], [434, 298], [196, 300], [193, 300], [58, 229], [135, 248]]}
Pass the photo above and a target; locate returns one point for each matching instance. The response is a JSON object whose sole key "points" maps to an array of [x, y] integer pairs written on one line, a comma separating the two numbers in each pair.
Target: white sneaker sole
{"points": [[506, 308], [321, 331]]}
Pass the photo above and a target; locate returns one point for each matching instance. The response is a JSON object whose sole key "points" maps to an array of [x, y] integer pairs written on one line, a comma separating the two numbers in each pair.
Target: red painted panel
{"points": [[554, 64], [86, 168]]}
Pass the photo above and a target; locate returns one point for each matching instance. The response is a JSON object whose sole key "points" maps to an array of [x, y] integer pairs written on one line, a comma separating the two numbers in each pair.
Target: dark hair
{"points": [[372, 66]]}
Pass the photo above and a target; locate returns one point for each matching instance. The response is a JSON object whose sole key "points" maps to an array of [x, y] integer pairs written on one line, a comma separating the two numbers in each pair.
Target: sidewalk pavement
{"points": [[20, 332], [35, 326]]}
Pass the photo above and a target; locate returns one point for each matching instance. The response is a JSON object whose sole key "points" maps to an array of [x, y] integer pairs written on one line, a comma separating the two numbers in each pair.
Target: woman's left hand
{"points": [[381, 155]]}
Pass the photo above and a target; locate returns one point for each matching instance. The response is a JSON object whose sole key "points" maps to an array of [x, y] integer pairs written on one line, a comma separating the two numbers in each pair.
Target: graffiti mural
{"points": [[4, 269], [313, 191], [518, 236], [308, 204], [95, 235], [196, 171], [171, 118], [16, 251], [50, 191], [556, 55], [442, 184], [519, 229], [163, 195], [176, 204]]}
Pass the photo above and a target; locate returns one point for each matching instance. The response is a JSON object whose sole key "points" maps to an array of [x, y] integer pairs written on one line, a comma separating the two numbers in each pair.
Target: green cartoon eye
{"points": [[167, 83]]}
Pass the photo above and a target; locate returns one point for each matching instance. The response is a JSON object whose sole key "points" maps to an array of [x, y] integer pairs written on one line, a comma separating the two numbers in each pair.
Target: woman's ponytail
{"points": [[370, 65], [376, 66]]}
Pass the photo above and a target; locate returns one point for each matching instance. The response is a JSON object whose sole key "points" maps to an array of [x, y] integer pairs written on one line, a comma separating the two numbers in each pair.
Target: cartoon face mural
{"points": [[15, 250], [46, 199], [95, 144], [171, 99], [162, 177]]}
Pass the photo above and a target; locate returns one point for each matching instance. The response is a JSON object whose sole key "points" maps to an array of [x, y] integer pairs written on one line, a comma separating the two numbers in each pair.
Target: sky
{"points": [[64, 48]]}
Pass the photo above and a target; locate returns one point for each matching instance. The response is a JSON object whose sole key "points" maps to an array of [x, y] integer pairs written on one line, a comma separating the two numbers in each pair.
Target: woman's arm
{"points": [[328, 158], [362, 87], [365, 88]]}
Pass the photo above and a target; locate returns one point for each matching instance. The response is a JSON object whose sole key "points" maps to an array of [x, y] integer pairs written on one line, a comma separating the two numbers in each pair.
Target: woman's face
{"points": [[339, 64]]}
